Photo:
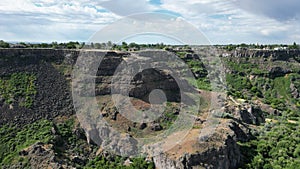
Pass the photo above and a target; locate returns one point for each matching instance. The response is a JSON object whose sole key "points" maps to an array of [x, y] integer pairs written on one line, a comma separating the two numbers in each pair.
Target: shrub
{"points": [[19, 88]]}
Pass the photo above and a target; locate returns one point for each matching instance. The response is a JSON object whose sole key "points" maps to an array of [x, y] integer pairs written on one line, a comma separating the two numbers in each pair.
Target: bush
{"points": [[277, 147], [14, 139], [117, 163], [4, 44], [19, 88]]}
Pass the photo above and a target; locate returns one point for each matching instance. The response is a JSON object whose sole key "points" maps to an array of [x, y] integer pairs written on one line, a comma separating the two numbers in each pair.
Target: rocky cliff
{"points": [[218, 149], [273, 55], [52, 97]]}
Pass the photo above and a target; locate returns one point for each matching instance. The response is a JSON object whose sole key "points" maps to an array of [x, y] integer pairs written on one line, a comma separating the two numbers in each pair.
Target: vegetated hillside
{"points": [[257, 125], [270, 80], [274, 84]]}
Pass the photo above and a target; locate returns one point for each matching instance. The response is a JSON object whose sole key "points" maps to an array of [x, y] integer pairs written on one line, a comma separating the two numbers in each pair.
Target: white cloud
{"points": [[279, 10], [128, 7], [49, 20], [222, 21]]}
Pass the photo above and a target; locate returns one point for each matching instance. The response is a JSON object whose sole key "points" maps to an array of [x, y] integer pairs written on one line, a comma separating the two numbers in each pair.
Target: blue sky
{"points": [[221, 21]]}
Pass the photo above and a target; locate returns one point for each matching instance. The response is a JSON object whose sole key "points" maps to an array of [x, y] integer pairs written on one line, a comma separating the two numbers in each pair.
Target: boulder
{"points": [[156, 127], [278, 72]]}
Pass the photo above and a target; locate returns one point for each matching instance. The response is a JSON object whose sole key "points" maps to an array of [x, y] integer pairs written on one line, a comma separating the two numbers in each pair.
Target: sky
{"points": [[220, 21]]}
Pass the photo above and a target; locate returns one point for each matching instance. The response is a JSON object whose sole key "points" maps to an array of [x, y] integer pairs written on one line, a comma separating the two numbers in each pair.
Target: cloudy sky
{"points": [[221, 21]]}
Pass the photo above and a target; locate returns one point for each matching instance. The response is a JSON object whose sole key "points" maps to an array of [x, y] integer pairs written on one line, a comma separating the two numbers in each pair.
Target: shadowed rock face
{"points": [[53, 96], [278, 71], [150, 79], [141, 84], [272, 55]]}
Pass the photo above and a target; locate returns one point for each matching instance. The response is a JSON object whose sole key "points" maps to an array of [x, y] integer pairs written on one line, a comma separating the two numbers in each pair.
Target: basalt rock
{"points": [[272, 55]]}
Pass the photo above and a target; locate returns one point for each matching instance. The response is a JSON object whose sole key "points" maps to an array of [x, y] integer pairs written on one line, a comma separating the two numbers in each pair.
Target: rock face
{"points": [[294, 91], [278, 71], [273, 55], [141, 83], [220, 151], [53, 93], [53, 96]]}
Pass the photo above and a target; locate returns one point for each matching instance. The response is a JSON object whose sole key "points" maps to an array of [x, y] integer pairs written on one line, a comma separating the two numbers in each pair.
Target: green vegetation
{"points": [[273, 91], [65, 130], [133, 46], [244, 67], [277, 146], [238, 85], [14, 139], [181, 54], [201, 83], [118, 163], [125, 46], [199, 70], [55, 45], [4, 44], [231, 47], [18, 88], [168, 117]]}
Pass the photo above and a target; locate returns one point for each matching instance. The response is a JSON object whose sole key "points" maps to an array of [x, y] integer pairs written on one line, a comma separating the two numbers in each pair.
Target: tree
{"points": [[109, 44], [4, 44], [124, 46], [294, 46], [97, 45], [54, 45]]}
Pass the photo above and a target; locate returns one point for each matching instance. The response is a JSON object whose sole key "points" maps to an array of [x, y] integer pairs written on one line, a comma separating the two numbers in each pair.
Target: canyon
{"points": [[220, 124]]}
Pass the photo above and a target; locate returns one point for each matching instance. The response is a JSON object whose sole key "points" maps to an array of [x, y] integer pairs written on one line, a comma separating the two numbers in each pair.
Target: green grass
{"points": [[14, 139], [201, 83], [282, 86], [181, 54], [117, 163], [279, 95], [245, 67], [273, 91], [18, 88]]}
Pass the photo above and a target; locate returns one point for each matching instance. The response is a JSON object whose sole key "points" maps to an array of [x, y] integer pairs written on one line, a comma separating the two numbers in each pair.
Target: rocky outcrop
{"points": [[219, 151], [278, 71], [294, 91], [272, 55], [29, 55]]}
